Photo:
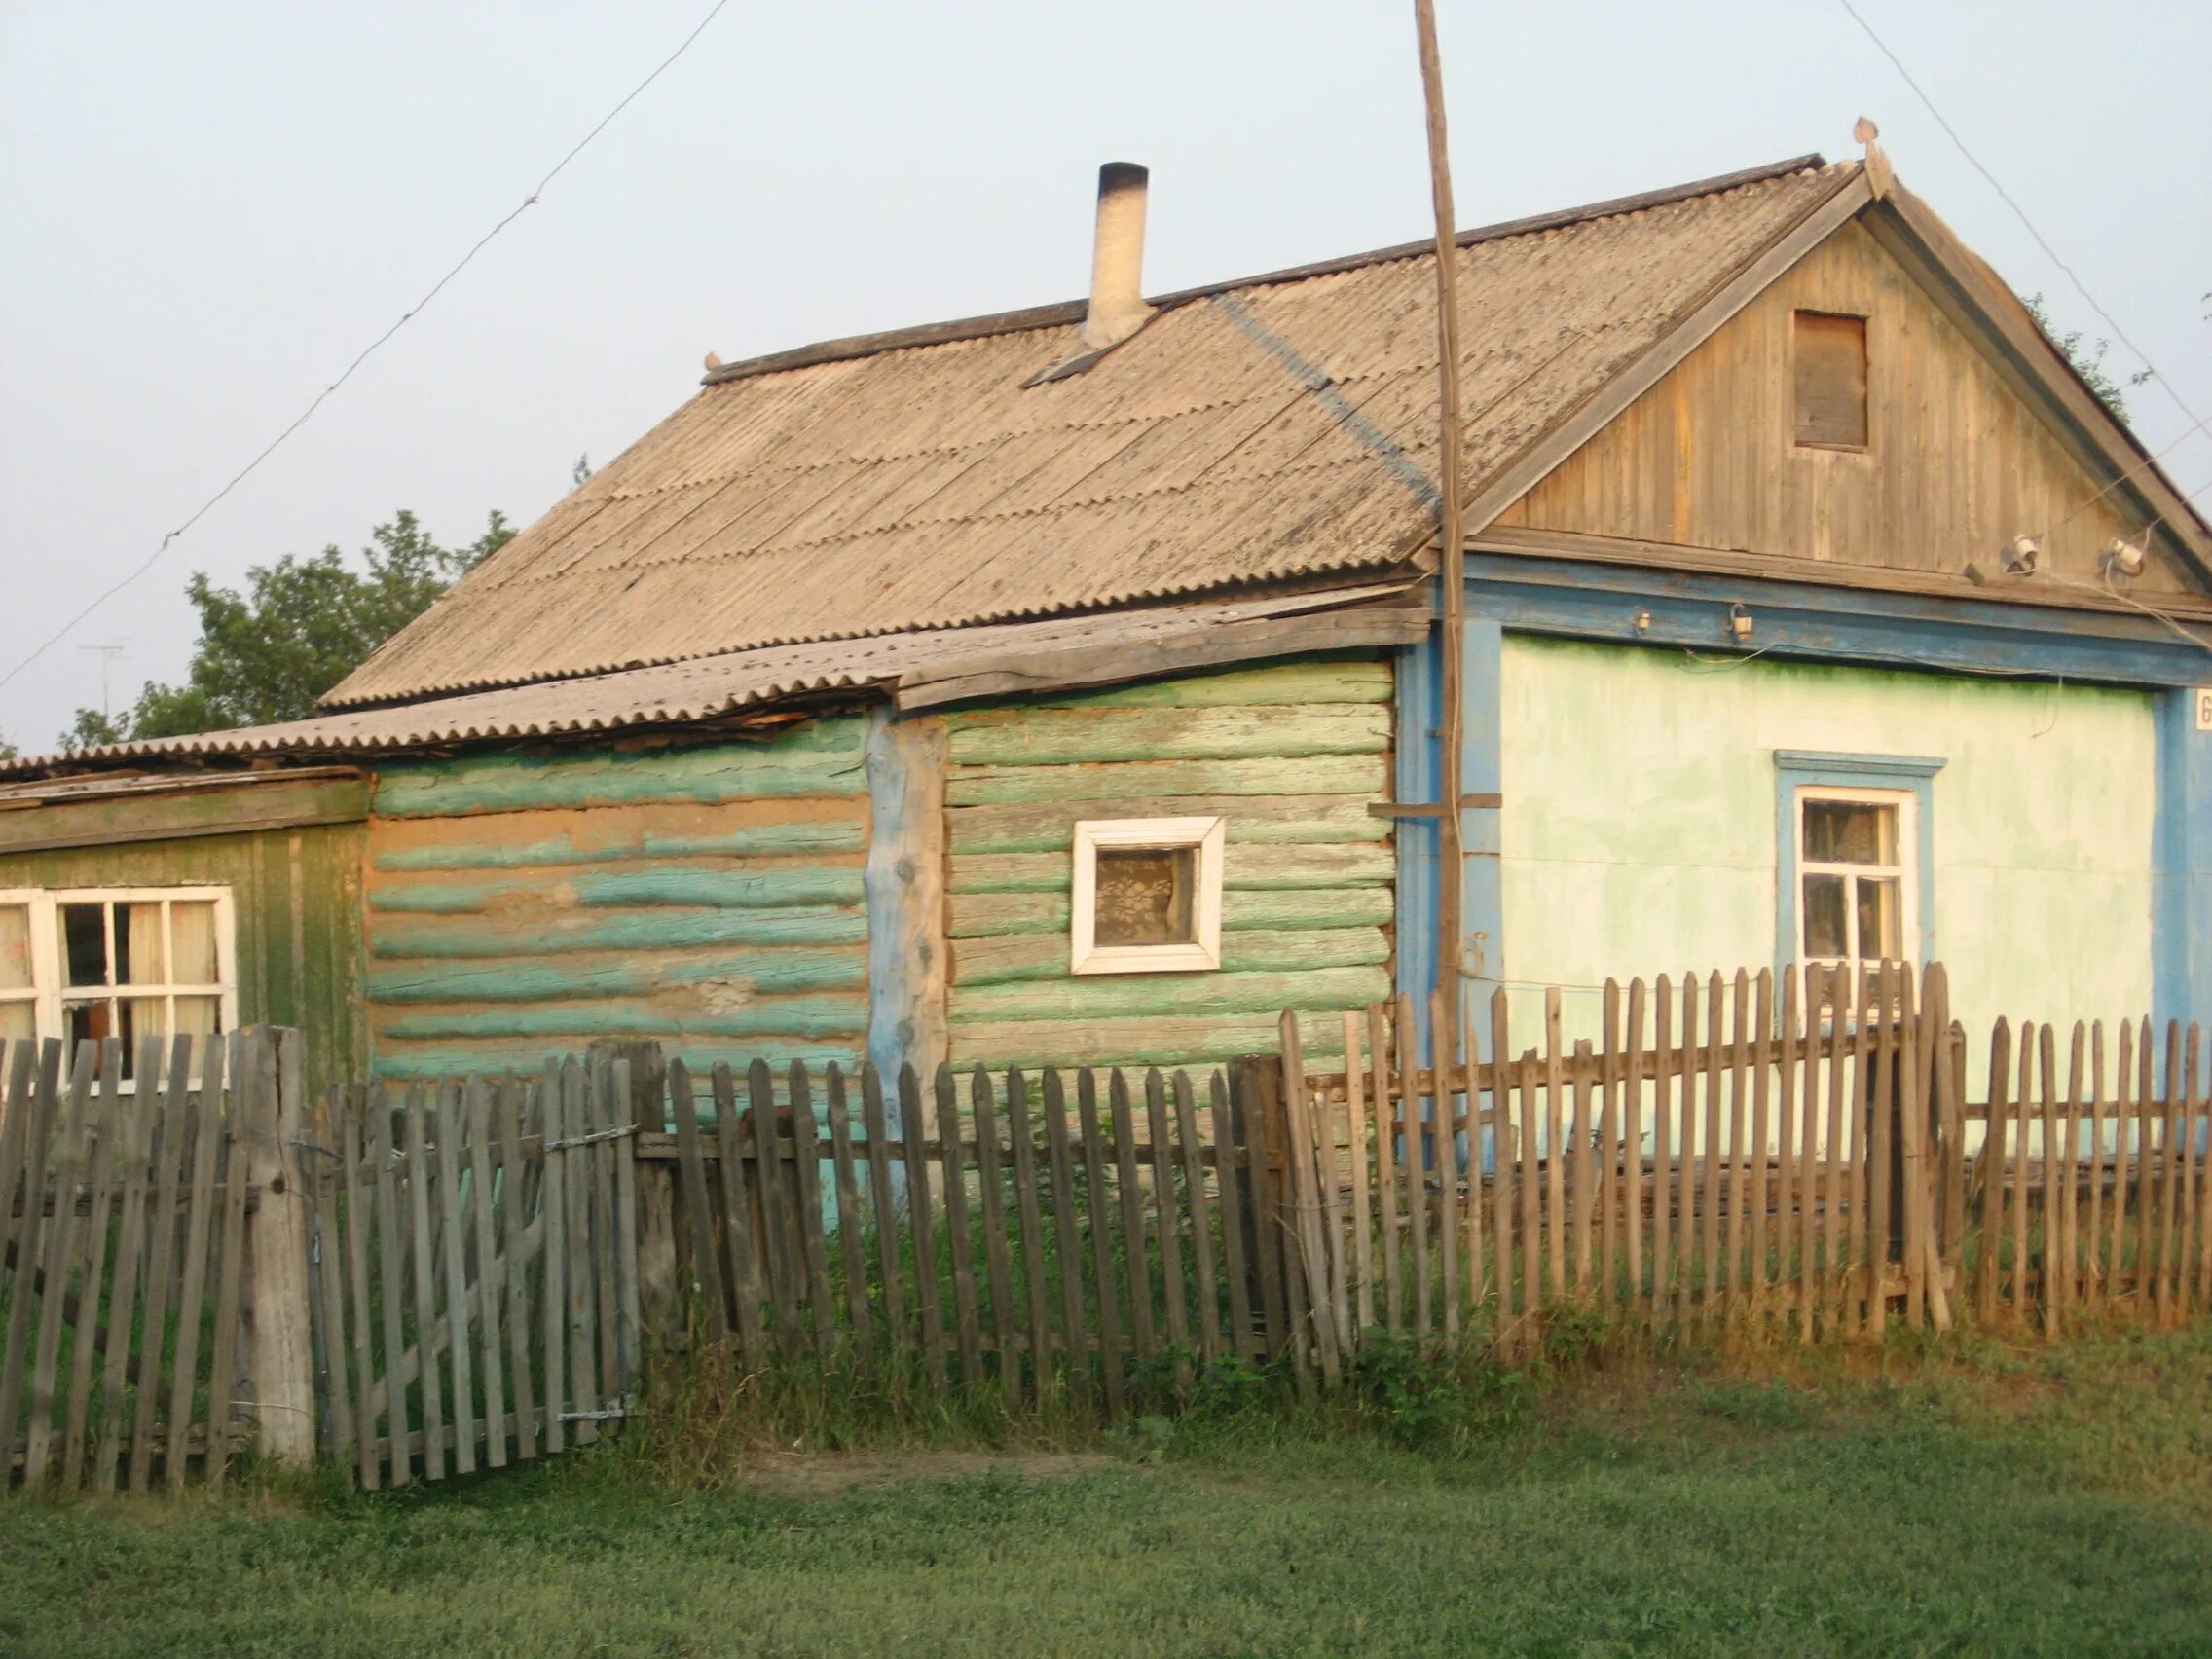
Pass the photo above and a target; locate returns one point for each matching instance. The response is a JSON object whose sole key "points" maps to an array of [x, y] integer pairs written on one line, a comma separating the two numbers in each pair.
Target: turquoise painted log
{"points": [[1308, 680], [552, 935], [769, 971], [973, 915], [729, 889], [1266, 775], [763, 841], [1244, 869], [1018, 958], [1160, 995], [770, 1017], [1019, 737], [1253, 820], [821, 758], [523, 1057]]}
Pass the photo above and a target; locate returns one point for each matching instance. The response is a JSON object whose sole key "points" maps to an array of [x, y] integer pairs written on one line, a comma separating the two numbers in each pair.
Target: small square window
{"points": [[1831, 369], [1147, 895]]}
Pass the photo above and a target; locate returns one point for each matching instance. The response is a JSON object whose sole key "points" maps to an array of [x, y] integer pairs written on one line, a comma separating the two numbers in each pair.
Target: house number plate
{"points": [[2205, 707]]}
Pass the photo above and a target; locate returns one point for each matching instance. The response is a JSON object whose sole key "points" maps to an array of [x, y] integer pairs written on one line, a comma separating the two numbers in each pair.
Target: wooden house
{"points": [[1056, 687]]}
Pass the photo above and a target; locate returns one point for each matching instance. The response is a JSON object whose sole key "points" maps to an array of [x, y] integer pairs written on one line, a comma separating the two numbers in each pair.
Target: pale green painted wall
{"points": [[1639, 822]]}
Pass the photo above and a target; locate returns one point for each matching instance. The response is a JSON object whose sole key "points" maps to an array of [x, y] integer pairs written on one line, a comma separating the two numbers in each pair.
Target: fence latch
{"points": [[616, 1133], [621, 1408]]}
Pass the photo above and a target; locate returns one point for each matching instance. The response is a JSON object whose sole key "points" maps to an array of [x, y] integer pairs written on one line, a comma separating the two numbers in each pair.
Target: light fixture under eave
{"points": [[2021, 555], [2121, 558]]}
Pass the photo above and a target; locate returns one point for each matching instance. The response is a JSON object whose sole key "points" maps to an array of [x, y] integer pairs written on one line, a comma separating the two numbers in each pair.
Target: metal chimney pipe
{"points": [[1117, 257]]}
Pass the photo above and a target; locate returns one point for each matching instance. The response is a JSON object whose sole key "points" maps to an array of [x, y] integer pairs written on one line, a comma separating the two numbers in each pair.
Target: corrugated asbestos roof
{"points": [[709, 687], [1269, 429]]}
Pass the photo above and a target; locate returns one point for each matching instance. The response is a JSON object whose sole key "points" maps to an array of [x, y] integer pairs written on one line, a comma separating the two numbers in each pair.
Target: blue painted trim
{"points": [[1796, 768], [2181, 858], [1579, 600], [1863, 765], [1417, 775]]}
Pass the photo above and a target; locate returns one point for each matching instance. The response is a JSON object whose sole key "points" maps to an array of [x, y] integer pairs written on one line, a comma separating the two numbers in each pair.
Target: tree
{"points": [[302, 625], [2087, 358]]}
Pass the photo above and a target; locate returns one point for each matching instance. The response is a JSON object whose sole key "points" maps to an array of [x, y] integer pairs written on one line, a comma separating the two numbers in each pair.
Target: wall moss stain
{"points": [[1291, 755], [521, 907], [1640, 822]]}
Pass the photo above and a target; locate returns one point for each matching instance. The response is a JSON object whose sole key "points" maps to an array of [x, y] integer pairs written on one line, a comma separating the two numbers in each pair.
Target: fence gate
{"points": [[473, 1270]]}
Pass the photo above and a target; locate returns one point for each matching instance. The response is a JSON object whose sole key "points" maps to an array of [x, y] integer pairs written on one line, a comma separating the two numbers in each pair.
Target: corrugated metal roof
{"points": [[1269, 429], [705, 688]]}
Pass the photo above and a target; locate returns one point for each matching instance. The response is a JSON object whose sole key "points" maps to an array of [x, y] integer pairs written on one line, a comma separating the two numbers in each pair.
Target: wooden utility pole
{"points": [[1451, 573]]}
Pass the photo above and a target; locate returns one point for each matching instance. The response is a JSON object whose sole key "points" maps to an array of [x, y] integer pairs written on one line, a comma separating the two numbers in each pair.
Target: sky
{"points": [[207, 211]]}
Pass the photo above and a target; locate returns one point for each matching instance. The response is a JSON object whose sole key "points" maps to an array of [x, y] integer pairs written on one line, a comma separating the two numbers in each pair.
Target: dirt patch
{"points": [[833, 1474]]}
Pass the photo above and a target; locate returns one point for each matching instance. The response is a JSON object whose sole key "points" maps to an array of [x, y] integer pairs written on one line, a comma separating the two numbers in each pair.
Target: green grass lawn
{"points": [[2054, 1501]]}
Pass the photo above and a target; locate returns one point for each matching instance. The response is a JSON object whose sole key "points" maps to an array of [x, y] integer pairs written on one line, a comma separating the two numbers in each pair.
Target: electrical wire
{"points": [[2018, 212], [246, 472]]}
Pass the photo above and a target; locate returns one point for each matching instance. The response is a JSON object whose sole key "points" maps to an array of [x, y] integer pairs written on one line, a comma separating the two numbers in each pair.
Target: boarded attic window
{"points": [[1832, 380]]}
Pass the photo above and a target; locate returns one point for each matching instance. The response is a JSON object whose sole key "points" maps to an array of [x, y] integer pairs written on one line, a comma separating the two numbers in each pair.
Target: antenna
{"points": [[110, 651]]}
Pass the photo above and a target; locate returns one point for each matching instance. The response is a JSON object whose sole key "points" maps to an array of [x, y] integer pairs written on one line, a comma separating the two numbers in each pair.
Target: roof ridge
{"points": [[1065, 313]]}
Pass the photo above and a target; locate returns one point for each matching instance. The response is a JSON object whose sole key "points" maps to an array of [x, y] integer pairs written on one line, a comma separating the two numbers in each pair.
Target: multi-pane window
{"points": [[126, 963], [1147, 895], [1856, 884]]}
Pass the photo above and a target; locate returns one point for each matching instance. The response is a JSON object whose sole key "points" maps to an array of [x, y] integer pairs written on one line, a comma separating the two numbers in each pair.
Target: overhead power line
{"points": [[415, 310], [2117, 333]]}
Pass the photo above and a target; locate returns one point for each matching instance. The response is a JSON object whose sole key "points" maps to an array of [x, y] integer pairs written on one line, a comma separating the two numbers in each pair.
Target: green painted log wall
{"points": [[1639, 833], [297, 900], [1291, 754], [708, 896]]}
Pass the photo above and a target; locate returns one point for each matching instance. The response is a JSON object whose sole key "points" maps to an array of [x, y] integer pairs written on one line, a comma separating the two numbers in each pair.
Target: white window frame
{"points": [[49, 995], [1206, 836], [1906, 870]]}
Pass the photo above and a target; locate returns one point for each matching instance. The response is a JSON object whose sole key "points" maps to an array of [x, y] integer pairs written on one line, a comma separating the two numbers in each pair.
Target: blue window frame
{"points": [[1884, 882]]}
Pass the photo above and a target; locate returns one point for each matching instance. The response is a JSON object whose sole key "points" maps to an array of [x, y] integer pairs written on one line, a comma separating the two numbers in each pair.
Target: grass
{"points": [[1973, 1501]]}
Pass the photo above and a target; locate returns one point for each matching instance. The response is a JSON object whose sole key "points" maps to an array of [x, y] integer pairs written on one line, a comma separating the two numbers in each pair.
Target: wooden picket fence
{"points": [[1100, 1232], [138, 1213], [1795, 1152], [475, 1294], [1732, 1153], [413, 1283]]}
